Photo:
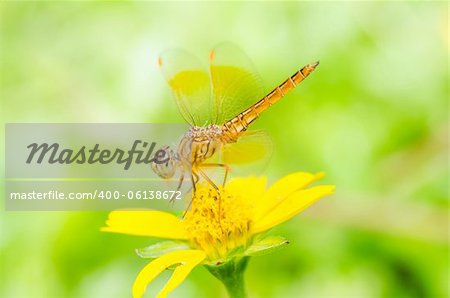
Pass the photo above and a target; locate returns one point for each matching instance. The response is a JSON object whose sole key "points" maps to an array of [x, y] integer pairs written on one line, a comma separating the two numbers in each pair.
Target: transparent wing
{"points": [[235, 82], [251, 153], [190, 83]]}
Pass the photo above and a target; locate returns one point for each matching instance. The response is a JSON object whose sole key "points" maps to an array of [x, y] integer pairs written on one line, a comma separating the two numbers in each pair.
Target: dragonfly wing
{"points": [[190, 83], [235, 82], [251, 152]]}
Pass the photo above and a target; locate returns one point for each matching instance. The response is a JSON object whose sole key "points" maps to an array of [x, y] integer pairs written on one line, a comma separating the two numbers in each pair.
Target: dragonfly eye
{"points": [[167, 169]]}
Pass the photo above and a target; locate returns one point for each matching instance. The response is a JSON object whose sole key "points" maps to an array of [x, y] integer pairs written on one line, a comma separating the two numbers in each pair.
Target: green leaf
{"points": [[266, 245], [158, 249]]}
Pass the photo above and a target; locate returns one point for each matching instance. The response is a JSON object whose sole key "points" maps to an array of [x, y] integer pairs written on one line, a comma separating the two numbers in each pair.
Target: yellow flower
{"points": [[219, 227]]}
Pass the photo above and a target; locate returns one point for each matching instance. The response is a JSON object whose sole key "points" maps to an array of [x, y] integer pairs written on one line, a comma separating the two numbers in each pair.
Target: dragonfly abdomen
{"points": [[241, 122]]}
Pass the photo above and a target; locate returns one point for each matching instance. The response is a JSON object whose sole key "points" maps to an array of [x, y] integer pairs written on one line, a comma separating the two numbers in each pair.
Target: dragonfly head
{"points": [[167, 168]]}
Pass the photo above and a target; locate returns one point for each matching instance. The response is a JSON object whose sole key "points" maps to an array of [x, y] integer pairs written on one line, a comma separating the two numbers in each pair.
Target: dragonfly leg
{"points": [[194, 180], [218, 193], [221, 165], [203, 174], [188, 207], [180, 182]]}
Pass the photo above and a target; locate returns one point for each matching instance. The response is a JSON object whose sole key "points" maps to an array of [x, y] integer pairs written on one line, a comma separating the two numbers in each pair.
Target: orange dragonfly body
{"points": [[219, 105]]}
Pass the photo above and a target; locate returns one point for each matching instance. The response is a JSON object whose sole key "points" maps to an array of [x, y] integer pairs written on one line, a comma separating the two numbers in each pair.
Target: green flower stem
{"points": [[231, 274]]}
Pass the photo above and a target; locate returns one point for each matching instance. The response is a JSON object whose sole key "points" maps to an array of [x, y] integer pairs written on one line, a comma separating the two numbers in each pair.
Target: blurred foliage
{"points": [[373, 117]]}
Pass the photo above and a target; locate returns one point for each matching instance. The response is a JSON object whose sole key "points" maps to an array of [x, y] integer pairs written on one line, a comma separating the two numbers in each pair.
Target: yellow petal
{"points": [[291, 206], [149, 223], [187, 259], [281, 189], [251, 188]]}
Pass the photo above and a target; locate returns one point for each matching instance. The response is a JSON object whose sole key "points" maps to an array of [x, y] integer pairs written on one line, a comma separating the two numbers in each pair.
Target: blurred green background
{"points": [[373, 117]]}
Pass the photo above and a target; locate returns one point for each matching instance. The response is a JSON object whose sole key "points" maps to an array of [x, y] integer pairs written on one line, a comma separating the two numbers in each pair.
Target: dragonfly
{"points": [[220, 104]]}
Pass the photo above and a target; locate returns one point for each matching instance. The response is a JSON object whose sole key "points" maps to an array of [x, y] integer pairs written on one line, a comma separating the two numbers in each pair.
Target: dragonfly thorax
{"points": [[200, 133], [200, 143]]}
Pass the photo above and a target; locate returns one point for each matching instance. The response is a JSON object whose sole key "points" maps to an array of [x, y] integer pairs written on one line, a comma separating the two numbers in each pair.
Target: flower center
{"points": [[218, 222]]}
